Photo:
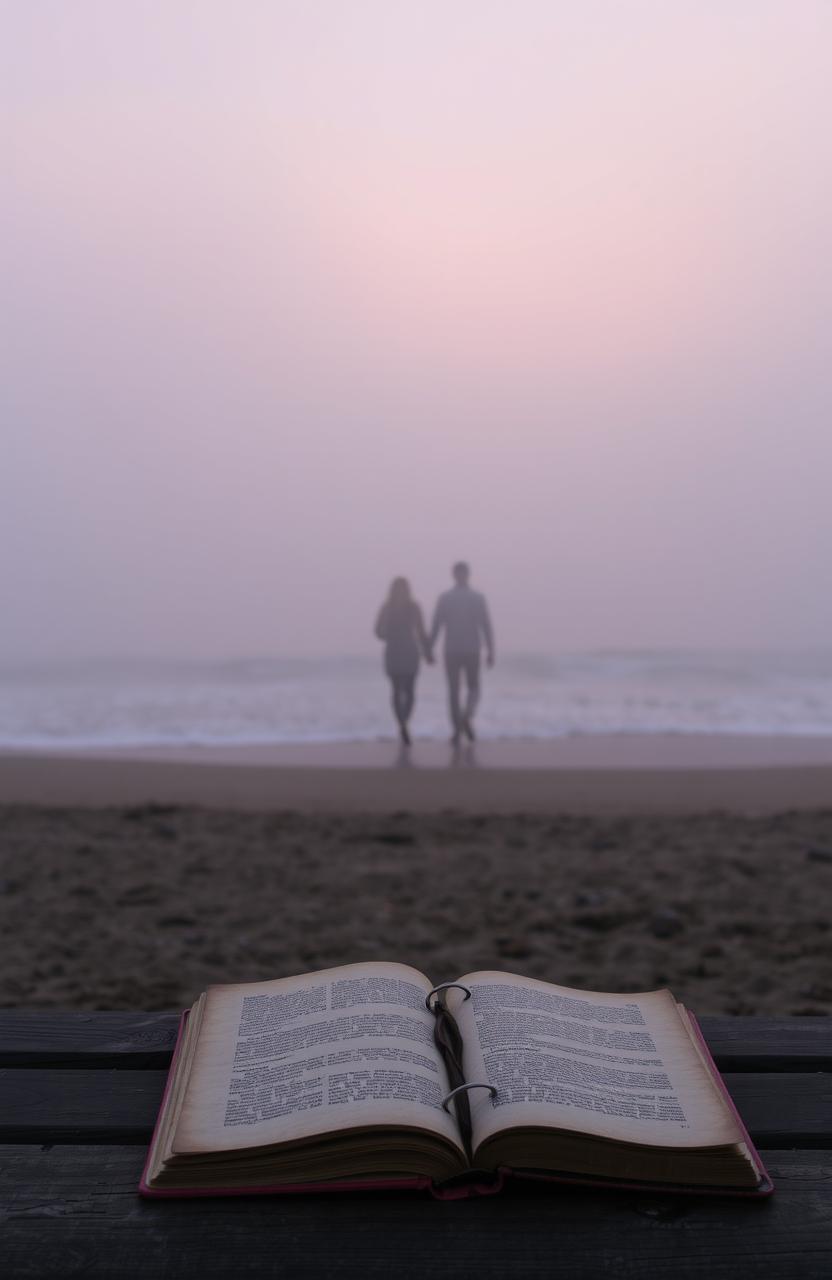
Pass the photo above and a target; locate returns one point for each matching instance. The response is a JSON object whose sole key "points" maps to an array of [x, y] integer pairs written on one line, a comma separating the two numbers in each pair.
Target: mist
{"points": [[303, 296]]}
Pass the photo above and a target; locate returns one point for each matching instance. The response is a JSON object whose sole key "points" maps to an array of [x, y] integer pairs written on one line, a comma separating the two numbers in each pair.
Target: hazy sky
{"points": [[302, 294]]}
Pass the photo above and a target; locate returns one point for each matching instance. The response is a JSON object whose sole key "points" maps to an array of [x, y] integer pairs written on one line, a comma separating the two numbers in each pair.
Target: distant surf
{"points": [[138, 703]]}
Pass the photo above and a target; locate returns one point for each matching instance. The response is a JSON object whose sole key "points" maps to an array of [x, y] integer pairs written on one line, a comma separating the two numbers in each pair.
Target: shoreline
{"points": [[615, 774], [574, 751]]}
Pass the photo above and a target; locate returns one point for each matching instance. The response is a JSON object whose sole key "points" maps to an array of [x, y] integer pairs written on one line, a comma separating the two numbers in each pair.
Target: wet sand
{"points": [[616, 774]]}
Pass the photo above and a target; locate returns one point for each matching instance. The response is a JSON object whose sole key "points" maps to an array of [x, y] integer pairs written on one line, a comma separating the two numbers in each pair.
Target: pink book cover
{"points": [[463, 1190]]}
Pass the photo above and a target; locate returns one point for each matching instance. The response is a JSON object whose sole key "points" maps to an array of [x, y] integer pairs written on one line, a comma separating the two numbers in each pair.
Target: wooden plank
{"points": [[79, 1106], [781, 1111], [134, 1041], [769, 1044], [73, 1211], [58, 1038]]}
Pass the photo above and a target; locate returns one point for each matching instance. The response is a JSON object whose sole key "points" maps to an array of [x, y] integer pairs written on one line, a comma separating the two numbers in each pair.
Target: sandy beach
{"points": [[615, 774], [134, 883]]}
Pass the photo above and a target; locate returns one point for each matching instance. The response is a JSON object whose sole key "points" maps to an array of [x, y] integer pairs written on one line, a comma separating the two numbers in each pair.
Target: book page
{"points": [[286, 1060], [618, 1066]]}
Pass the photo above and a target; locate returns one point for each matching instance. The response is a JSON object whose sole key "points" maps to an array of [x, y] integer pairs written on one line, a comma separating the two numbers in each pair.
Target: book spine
{"points": [[448, 1040]]}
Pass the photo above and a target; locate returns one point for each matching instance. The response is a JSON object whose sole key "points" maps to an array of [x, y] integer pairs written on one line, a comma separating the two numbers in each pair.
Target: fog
{"points": [[302, 296]]}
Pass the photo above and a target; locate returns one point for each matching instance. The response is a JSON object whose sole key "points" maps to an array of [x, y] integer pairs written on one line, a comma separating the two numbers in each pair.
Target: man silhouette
{"points": [[464, 615]]}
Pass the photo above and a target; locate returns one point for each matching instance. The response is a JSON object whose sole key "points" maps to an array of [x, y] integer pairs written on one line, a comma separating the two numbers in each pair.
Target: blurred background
{"points": [[300, 296]]}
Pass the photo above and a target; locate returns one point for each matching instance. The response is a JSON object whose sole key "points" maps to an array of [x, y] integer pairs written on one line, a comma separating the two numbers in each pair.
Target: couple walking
{"points": [[463, 614]]}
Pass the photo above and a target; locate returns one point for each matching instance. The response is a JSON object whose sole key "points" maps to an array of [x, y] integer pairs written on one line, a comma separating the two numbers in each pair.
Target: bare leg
{"points": [[408, 696], [402, 704], [395, 699]]}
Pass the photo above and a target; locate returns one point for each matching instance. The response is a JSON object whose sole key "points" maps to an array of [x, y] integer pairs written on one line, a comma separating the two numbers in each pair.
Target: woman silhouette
{"points": [[400, 626]]}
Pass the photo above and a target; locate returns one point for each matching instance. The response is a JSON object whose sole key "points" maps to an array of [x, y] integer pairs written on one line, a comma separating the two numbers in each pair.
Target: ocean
{"points": [[141, 703]]}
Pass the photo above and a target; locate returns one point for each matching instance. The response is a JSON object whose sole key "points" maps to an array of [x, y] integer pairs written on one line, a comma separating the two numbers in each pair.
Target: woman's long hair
{"points": [[399, 600]]}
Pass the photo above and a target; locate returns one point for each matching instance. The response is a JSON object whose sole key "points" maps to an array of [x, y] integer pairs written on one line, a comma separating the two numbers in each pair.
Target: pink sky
{"points": [[305, 295]]}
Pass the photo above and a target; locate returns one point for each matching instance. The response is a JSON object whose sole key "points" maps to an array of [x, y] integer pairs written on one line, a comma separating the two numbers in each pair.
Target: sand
{"points": [[135, 901], [616, 774]]}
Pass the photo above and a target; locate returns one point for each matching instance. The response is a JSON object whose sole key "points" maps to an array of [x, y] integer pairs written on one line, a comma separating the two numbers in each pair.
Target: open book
{"points": [[369, 1076]]}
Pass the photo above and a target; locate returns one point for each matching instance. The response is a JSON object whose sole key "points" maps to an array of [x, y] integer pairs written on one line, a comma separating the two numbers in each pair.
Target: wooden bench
{"points": [[78, 1101]]}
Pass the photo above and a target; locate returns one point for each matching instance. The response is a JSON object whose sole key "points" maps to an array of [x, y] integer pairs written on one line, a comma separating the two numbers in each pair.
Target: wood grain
{"points": [[57, 1106], [73, 1211], [134, 1041], [49, 1038]]}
